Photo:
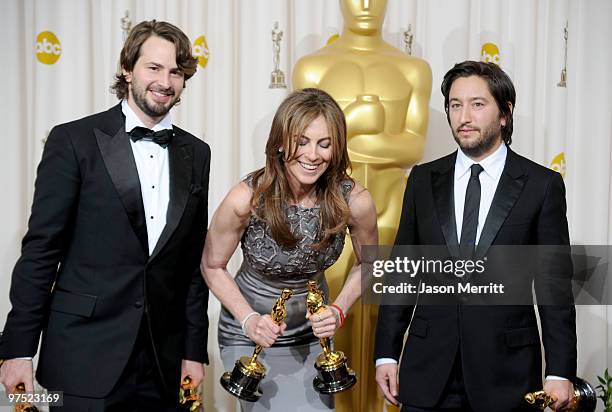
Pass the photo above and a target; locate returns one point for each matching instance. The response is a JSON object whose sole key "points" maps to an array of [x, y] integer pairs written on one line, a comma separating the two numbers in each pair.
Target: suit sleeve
{"points": [[44, 245], [553, 284], [393, 319], [196, 328]]}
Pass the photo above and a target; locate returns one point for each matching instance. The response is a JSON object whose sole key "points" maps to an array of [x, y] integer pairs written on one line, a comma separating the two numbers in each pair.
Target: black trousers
{"points": [[453, 398], [139, 388]]}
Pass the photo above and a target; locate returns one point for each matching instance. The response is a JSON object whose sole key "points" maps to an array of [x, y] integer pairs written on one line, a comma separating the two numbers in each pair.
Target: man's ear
{"points": [[503, 119], [127, 75]]}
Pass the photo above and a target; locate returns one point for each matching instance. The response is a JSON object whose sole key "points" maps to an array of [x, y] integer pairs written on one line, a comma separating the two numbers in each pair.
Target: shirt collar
{"points": [[492, 165], [132, 120]]}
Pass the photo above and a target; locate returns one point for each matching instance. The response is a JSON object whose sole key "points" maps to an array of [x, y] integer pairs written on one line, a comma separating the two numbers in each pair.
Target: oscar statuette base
{"points": [[585, 396], [242, 382], [333, 380]]}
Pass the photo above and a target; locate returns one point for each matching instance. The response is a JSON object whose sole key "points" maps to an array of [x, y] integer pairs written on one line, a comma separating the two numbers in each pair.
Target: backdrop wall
{"points": [[60, 56]]}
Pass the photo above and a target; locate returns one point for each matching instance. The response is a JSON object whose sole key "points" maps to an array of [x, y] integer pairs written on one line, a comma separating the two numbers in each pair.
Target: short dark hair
{"points": [[131, 51], [500, 86]]}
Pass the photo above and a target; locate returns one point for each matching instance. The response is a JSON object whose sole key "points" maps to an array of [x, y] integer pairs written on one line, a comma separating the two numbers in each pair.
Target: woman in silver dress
{"points": [[291, 218]]}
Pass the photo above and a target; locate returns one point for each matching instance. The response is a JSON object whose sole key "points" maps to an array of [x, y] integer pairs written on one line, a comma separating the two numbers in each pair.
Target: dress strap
{"points": [[347, 187], [249, 180]]}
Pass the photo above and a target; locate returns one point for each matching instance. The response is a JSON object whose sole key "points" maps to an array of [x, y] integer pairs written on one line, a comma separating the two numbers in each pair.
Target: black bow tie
{"points": [[161, 137]]}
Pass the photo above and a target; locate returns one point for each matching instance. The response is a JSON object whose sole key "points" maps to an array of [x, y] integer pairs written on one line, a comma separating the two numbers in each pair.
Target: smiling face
{"points": [[156, 82], [474, 117], [312, 156]]}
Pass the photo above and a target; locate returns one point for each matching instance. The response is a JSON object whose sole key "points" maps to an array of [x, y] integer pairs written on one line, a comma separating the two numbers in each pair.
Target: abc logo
{"points": [[200, 50], [490, 53], [558, 164], [332, 38], [48, 47]]}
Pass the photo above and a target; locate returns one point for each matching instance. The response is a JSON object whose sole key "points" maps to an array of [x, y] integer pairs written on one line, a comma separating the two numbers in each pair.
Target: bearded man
{"points": [[481, 358], [109, 267]]}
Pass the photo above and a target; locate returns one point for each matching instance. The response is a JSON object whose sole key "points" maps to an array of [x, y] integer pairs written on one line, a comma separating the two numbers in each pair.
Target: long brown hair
{"points": [[131, 51], [271, 191]]}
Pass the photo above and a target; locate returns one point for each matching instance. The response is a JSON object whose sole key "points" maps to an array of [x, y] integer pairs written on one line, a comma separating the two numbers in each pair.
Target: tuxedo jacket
{"points": [[86, 278], [499, 346]]}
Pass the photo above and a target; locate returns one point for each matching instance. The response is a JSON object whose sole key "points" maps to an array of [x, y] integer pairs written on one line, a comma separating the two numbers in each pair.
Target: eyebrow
{"points": [[469, 99], [321, 139], [162, 66]]}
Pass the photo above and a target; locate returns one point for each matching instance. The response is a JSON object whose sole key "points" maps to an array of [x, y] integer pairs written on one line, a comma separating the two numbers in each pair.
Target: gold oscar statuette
{"points": [[333, 373], [243, 380], [23, 406], [188, 395], [585, 398], [384, 93]]}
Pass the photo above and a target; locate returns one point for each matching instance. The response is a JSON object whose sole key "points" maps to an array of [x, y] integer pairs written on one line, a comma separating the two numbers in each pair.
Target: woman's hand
{"points": [[263, 330], [325, 323]]}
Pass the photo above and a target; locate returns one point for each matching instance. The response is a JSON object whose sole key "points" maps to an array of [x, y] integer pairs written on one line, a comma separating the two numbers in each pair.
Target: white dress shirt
{"points": [[492, 165], [153, 173]]}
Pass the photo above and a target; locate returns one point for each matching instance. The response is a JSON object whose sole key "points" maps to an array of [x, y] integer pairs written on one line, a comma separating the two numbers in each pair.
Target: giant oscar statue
{"points": [[385, 96]]}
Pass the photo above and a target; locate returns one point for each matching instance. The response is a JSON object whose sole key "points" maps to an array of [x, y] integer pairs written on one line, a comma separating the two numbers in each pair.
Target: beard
{"points": [[488, 138], [151, 108]]}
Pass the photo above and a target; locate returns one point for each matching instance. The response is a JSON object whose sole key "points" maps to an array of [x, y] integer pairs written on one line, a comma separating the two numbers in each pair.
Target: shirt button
{"points": [[151, 217], [151, 156], [152, 187], [138, 304]]}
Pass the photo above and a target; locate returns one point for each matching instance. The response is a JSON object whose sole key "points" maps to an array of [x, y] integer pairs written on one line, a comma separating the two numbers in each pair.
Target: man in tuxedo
{"points": [[481, 358], [109, 265]]}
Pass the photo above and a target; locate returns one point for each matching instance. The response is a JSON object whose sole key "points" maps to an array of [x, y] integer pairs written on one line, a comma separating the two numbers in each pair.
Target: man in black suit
{"points": [[109, 269], [482, 358]]}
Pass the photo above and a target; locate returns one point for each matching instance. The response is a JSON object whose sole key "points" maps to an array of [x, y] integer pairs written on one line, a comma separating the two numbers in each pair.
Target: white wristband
{"points": [[244, 321]]}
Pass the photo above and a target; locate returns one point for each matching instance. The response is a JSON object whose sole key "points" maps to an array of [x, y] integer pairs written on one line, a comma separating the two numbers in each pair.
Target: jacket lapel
{"points": [[442, 181], [180, 156], [121, 166], [508, 190]]}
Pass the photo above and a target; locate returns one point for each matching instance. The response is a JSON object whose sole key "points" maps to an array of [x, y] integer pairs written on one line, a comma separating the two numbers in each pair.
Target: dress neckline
{"points": [[299, 206]]}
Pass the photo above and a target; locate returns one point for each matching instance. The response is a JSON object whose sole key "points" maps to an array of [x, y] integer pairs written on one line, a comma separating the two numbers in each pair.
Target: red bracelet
{"points": [[342, 317]]}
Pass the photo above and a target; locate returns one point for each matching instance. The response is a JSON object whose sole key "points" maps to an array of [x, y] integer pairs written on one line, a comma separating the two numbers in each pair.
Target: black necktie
{"points": [[470, 213], [161, 137]]}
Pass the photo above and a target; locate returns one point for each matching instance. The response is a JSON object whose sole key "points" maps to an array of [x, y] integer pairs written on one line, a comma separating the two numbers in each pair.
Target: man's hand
{"points": [[16, 371], [194, 369], [562, 390], [386, 377]]}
